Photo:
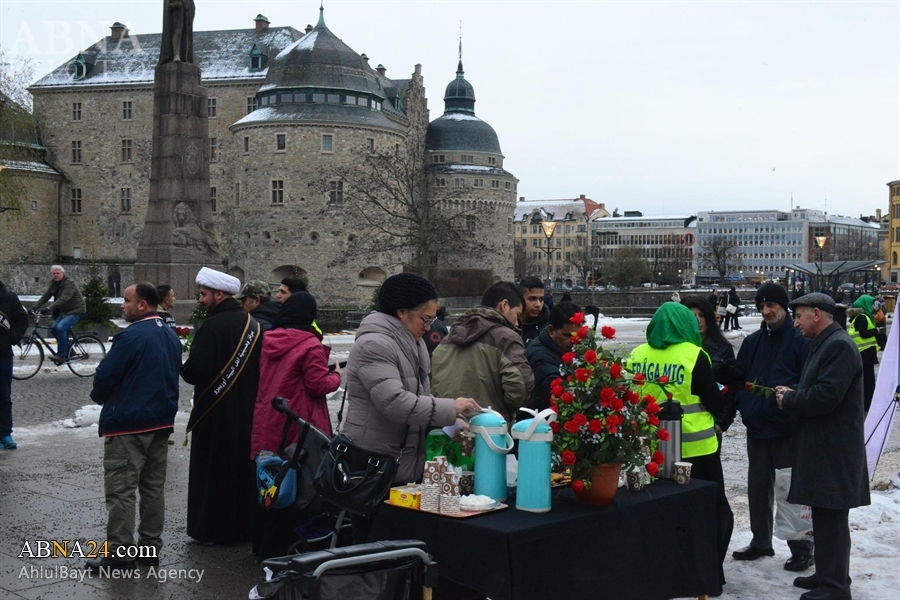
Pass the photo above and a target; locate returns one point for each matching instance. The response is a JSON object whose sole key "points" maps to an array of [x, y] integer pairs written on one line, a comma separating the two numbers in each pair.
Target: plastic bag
{"points": [[792, 521], [438, 443]]}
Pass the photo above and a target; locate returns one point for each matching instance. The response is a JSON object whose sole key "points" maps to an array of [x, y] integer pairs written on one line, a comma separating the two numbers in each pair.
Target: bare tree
{"points": [[18, 129], [583, 263], [407, 213], [627, 267], [721, 255]]}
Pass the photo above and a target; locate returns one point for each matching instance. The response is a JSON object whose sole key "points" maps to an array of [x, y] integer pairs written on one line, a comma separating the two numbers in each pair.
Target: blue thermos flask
{"points": [[492, 442], [535, 438]]}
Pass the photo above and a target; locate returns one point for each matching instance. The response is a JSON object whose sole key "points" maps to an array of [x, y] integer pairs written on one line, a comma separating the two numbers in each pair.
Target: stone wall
{"points": [[30, 234]]}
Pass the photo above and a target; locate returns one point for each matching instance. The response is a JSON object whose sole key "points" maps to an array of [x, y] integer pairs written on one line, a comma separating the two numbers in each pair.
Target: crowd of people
{"points": [[802, 388]]}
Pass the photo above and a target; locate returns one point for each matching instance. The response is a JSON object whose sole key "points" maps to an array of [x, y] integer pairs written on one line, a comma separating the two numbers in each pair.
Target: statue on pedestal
{"points": [[178, 32]]}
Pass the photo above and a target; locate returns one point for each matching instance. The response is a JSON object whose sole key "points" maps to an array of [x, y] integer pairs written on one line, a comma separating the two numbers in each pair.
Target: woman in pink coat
{"points": [[293, 364]]}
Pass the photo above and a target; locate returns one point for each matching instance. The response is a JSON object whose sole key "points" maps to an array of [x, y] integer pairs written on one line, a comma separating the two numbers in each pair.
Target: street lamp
{"points": [[549, 227], [820, 244]]}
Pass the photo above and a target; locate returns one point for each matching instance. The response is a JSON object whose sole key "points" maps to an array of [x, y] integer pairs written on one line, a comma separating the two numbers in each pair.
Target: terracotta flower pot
{"points": [[604, 483]]}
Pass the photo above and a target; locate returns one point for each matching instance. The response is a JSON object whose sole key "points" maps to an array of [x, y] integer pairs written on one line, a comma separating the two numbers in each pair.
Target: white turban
{"points": [[217, 280]]}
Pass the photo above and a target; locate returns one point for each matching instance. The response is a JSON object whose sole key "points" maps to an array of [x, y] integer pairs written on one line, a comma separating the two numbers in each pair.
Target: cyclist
{"points": [[68, 308], [13, 322]]}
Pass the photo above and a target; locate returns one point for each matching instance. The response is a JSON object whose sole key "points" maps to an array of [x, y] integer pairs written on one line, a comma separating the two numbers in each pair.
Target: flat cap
{"points": [[823, 302]]}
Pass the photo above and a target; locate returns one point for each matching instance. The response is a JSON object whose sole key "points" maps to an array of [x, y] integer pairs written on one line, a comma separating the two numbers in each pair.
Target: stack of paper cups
{"points": [[431, 498], [450, 493]]}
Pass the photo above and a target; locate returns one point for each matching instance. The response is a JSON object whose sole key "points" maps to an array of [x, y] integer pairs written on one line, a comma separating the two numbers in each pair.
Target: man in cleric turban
{"points": [[223, 367]]}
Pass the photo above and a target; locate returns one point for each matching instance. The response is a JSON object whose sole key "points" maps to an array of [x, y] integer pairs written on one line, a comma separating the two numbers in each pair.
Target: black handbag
{"points": [[354, 479]]}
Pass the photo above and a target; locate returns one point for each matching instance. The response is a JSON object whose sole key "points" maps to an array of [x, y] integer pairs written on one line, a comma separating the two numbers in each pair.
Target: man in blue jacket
{"points": [[773, 356], [137, 385]]}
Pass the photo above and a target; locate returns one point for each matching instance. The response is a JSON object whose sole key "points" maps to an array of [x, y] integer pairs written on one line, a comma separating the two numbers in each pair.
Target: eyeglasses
{"points": [[428, 321]]}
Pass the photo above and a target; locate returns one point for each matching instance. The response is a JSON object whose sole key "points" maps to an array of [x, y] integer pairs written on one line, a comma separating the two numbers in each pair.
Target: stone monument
{"points": [[179, 235]]}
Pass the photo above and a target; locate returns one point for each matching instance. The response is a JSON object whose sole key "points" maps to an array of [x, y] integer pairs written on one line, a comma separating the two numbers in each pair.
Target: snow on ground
{"points": [[875, 558]]}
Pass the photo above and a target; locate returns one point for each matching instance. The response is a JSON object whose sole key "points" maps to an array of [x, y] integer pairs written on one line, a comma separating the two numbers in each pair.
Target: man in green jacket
{"points": [[483, 357], [68, 308]]}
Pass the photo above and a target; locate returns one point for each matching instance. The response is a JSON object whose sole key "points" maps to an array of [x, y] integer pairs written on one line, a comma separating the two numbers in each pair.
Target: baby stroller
{"points": [[297, 519], [389, 570]]}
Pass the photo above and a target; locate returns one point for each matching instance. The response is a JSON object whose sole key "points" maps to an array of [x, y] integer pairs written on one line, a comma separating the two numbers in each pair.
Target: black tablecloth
{"points": [[659, 543]]}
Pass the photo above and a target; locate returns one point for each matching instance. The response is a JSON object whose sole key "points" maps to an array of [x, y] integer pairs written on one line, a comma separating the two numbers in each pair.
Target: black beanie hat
{"points": [[404, 290], [772, 292]]}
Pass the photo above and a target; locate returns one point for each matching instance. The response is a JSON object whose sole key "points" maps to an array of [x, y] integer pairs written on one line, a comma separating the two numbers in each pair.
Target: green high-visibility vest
{"points": [[698, 427], [861, 342]]}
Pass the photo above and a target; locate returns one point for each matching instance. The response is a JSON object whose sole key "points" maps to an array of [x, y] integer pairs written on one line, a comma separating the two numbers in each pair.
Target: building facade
{"points": [[285, 108], [666, 243], [893, 244], [563, 256], [767, 242]]}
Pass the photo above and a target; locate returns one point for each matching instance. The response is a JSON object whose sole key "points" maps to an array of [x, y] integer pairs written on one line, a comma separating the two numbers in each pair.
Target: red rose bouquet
{"points": [[602, 414], [186, 336]]}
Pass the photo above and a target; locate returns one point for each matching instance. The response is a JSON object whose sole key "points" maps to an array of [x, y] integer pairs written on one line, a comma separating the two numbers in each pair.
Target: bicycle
{"points": [[85, 352]]}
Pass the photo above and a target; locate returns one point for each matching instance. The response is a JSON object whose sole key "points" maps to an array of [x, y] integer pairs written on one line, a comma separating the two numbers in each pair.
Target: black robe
{"points": [[222, 481]]}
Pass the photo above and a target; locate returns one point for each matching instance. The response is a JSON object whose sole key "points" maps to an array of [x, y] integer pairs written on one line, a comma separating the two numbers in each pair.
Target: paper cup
{"points": [[683, 473], [467, 483], [634, 482]]}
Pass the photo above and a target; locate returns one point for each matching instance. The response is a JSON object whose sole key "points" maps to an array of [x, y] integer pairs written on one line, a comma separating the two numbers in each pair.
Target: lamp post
{"points": [[820, 244], [549, 227]]}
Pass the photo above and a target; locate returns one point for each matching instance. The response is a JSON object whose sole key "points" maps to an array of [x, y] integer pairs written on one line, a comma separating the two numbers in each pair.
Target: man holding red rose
{"points": [[550, 350]]}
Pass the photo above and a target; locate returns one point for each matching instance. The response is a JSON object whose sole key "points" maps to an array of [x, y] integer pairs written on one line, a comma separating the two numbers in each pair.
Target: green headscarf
{"points": [[865, 303], [673, 323]]}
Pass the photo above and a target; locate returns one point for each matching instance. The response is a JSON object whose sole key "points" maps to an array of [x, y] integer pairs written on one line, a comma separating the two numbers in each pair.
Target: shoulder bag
{"points": [[353, 478]]}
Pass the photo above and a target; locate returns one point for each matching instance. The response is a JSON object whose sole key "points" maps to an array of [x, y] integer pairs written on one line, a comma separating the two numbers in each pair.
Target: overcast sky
{"points": [[663, 107]]}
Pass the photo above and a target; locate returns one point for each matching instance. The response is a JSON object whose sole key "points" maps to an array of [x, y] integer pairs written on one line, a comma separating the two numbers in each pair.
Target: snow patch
{"points": [[305, 43], [460, 117]]}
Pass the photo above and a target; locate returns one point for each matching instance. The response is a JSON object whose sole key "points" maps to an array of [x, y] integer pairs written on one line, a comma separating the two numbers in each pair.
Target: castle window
{"points": [[467, 159], [350, 100], [370, 145], [125, 197], [237, 194], [492, 160], [437, 158], [470, 223], [246, 145], [127, 110], [34, 205], [441, 182], [327, 142], [256, 63], [76, 201], [76, 111], [318, 97], [213, 196], [80, 69], [478, 183], [495, 185], [459, 182], [336, 192], [377, 106], [213, 149], [264, 101], [432, 259], [277, 191], [211, 107], [126, 151], [280, 142], [508, 185], [334, 99], [509, 225], [76, 252], [252, 104], [76, 152]]}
